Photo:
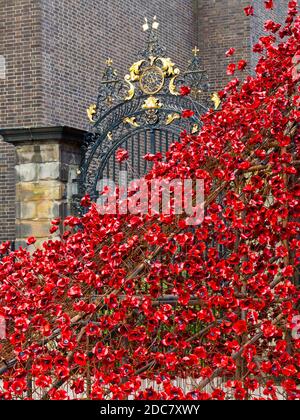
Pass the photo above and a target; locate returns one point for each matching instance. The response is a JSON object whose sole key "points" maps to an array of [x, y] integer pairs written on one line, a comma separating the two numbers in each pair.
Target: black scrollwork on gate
{"points": [[141, 113]]}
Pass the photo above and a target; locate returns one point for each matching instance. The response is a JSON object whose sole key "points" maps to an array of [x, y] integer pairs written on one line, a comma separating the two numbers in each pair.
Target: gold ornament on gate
{"points": [[172, 117], [131, 121], [216, 100], [152, 80], [152, 103]]}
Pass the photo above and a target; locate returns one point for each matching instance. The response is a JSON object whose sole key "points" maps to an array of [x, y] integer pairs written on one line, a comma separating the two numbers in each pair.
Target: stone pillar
{"points": [[47, 160]]}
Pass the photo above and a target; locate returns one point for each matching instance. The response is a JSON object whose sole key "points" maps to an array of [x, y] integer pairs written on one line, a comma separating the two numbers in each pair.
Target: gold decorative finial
{"points": [[145, 26], [155, 24], [195, 51], [109, 62]]}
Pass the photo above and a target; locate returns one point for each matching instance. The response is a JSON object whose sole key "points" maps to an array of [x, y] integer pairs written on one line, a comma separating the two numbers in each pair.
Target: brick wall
{"points": [[278, 14], [222, 24], [20, 45]]}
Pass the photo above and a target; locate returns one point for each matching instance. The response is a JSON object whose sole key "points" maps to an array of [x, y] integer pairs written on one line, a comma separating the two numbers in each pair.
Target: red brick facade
{"points": [[55, 52]]}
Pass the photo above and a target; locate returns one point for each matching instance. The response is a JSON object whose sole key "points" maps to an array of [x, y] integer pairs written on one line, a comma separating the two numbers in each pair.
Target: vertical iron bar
{"points": [[174, 139], [145, 149], [114, 167], [132, 156], [152, 141], [160, 141], [139, 155], [126, 148]]}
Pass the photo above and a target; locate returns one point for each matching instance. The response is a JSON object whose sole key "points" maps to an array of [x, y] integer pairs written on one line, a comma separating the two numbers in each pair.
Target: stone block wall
{"points": [[47, 161], [39, 189]]}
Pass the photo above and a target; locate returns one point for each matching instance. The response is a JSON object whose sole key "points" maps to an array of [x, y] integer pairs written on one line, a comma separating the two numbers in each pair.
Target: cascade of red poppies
{"points": [[128, 305]]}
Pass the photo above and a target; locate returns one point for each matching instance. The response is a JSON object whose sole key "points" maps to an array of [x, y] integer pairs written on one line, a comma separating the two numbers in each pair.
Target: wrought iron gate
{"points": [[142, 113]]}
